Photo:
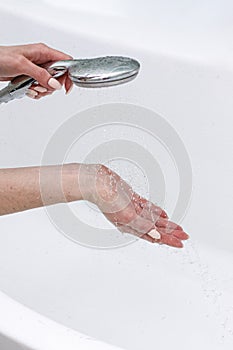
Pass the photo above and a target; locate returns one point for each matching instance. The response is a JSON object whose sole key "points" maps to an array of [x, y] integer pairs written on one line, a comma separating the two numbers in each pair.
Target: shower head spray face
{"points": [[100, 71]]}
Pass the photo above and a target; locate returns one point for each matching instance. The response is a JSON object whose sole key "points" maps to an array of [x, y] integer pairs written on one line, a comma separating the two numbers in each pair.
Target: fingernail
{"points": [[31, 93], [154, 234], [69, 90], [54, 84], [40, 89]]}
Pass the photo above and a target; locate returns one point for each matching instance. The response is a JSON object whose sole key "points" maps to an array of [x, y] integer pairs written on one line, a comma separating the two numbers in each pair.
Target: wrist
{"points": [[78, 181], [92, 182], [103, 184], [70, 186]]}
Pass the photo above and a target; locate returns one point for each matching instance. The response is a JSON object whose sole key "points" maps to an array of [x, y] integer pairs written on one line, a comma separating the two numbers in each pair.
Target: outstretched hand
{"points": [[131, 213], [26, 59]]}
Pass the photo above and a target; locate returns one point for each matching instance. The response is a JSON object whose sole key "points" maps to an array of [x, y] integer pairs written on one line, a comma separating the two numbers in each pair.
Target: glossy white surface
{"points": [[199, 30], [140, 296]]}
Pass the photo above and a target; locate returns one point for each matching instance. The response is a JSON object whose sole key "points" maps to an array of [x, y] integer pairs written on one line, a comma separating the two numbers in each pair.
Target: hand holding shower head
{"points": [[92, 72]]}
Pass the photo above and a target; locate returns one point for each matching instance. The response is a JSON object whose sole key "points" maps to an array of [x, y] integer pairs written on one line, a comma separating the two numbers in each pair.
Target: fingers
{"points": [[141, 227], [148, 238], [147, 217], [164, 223], [167, 239], [34, 54], [38, 91], [177, 233], [68, 85], [61, 79], [35, 94], [171, 240], [5, 78], [40, 74], [67, 82]]}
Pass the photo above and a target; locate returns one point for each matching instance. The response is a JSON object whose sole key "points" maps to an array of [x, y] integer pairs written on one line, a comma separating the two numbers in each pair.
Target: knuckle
{"points": [[41, 46], [20, 61]]}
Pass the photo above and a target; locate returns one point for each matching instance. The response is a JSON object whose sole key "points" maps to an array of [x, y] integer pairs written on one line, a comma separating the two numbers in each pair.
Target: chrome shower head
{"points": [[90, 73], [98, 72]]}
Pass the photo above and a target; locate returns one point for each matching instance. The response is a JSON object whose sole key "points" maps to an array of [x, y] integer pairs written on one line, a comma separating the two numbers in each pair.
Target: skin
{"points": [[32, 187], [27, 188], [25, 59]]}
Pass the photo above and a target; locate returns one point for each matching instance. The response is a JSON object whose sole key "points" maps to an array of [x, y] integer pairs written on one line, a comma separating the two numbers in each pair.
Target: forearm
{"points": [[32, 187]]}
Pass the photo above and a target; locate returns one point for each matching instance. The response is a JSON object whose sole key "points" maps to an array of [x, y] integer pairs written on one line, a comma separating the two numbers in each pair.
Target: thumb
{"points": [[41, 75]]}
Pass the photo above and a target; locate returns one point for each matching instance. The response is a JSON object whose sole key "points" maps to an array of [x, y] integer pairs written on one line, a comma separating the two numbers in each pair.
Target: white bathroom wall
{"points": [[104, 7], [195, 29]]}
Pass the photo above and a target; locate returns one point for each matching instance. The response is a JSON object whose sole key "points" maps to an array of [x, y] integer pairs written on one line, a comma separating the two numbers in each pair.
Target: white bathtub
{"points": [[56, 294]]}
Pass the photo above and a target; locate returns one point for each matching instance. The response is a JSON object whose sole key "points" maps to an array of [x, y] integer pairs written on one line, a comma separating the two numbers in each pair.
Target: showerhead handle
{"points": [[94, 72], [18, 86]]}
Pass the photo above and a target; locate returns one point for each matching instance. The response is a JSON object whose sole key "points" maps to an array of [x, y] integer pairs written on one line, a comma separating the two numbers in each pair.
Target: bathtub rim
{"points": [[33, 330]]}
